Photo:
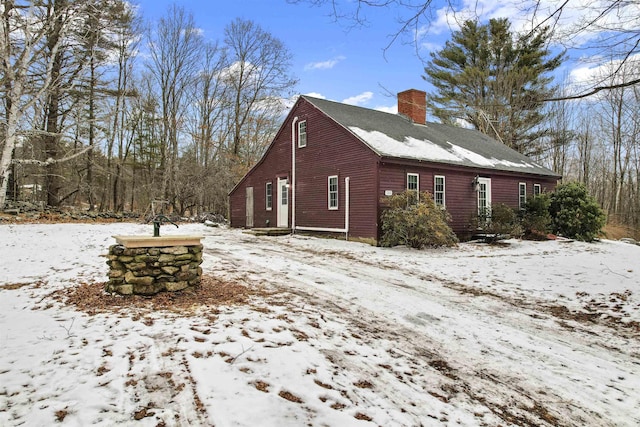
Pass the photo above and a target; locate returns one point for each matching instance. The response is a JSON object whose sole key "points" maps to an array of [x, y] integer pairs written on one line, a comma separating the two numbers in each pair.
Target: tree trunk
{"points": [[92, 87], [7, 157], [53, 179]]}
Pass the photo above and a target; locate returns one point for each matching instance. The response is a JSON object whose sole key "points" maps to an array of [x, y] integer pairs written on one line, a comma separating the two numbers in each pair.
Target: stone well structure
{"points": [[148, 265]]}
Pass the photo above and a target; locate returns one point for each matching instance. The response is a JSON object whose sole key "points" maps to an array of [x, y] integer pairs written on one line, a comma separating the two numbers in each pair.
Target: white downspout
{"points": [[293, 174], [346, 208]]}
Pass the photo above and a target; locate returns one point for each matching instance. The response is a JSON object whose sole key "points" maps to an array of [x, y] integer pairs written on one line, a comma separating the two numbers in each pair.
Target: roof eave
{"points": [[404, 160]]}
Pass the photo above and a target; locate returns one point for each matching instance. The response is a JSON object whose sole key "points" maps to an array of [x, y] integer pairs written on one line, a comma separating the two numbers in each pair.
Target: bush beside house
{"points": [[575, 214], [415, 223]]}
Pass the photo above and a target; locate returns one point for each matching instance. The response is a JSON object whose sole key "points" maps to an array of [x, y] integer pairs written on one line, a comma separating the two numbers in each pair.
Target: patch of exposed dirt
{"points": [[262, 386], [61, 415], [14, 286], [211, 293], [618, 231], [594, 317], [52, 217], [290, 396], [363, 384], [594, 312], [361, 416], [562, 312]]}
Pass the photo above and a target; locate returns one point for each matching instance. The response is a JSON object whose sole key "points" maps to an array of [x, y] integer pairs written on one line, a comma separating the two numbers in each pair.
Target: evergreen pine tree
{"points": [[495, 80]]}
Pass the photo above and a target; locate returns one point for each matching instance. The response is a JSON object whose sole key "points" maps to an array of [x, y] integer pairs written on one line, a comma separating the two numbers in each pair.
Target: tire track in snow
{"points": [[486, 342]]}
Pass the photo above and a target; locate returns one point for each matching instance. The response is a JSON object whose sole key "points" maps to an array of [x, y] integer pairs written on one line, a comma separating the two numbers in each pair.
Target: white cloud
{"points": [[429, 46], [199, 32], [288, 103], [233, 71], [324, 65], [599, 72], [316, 95], [359, 99], [570, 29]]}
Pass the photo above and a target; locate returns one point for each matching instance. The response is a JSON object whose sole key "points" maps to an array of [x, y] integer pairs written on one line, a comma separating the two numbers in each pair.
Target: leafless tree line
{"points": [[103, 112], [597, 141]]}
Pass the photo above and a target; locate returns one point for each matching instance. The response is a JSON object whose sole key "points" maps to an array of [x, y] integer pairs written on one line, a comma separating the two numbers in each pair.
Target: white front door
{"points": [[484, 199], [283, 202], [249, 207]]}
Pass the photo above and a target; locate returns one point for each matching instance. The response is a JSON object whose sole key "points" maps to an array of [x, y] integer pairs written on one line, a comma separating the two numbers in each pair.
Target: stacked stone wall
{"points": [[148, 271]]}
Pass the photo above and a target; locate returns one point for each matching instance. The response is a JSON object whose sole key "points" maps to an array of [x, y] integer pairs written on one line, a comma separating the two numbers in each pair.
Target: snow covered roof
{"points": [[393, 135]]}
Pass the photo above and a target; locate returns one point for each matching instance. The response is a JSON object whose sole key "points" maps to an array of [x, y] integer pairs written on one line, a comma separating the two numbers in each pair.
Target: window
{"points": [[412, 183], [333, 192], [438, 190], [284, 191], [536, 189], [302, 134], [522, 195], [269, 196]]}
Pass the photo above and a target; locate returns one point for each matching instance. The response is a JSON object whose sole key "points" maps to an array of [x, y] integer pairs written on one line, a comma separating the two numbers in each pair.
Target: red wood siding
{"points": [[276, 163], [505, 188], [460, 195], [331, 150]]}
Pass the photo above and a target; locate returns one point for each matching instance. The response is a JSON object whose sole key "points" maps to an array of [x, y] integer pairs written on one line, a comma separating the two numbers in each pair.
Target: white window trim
{"points": [[417, 181], [444, 191], [537, 189], [268, 206], [332, 208], [488, 198], [300, 143], [522, 200]]}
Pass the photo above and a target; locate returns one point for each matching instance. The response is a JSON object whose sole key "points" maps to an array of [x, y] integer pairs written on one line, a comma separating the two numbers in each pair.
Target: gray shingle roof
{"points": [[392, 135]]}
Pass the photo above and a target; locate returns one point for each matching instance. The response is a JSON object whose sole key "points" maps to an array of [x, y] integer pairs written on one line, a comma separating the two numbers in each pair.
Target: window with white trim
{"points": [[332, 184], [484, 200], [284, 192], [438, 190], [269, 196], [302, 134], [537, 189], [412, 182], [522, 195]]}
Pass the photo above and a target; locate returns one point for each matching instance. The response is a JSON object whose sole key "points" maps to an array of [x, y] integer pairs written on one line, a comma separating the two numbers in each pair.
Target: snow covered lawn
{"points": [[333, 333]]}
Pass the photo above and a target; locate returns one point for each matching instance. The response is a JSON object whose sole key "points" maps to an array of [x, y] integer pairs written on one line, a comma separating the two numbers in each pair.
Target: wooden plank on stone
{"points": [[158, 242]]}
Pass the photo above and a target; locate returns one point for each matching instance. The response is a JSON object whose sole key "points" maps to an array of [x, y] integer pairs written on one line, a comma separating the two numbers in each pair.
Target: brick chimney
{"points": [[413, 104]]}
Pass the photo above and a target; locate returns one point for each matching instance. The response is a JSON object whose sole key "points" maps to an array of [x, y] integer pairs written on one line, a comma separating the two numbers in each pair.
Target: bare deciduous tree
{"points": [[26, 41], [175, 46], [257, 75]]}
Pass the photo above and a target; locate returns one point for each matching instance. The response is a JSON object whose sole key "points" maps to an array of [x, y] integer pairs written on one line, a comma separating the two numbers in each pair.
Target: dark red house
{"points": [[330, 165]]}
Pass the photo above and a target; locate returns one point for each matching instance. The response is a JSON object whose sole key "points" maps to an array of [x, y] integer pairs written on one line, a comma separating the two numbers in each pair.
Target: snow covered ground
{"points": [[337, 334]]}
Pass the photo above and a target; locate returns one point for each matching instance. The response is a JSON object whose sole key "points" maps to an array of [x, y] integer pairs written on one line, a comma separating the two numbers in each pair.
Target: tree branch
{"points": [[593, 91], [51, 161]]}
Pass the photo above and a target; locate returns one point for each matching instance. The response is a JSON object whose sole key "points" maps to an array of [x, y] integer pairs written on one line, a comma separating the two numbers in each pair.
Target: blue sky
{"points": [[329, 59], [346, 63]]}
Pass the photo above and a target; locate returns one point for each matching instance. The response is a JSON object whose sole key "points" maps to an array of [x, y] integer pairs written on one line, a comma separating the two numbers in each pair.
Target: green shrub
{"points": [[575, 214], [503, 221], [415, 224], [536, 220]]}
